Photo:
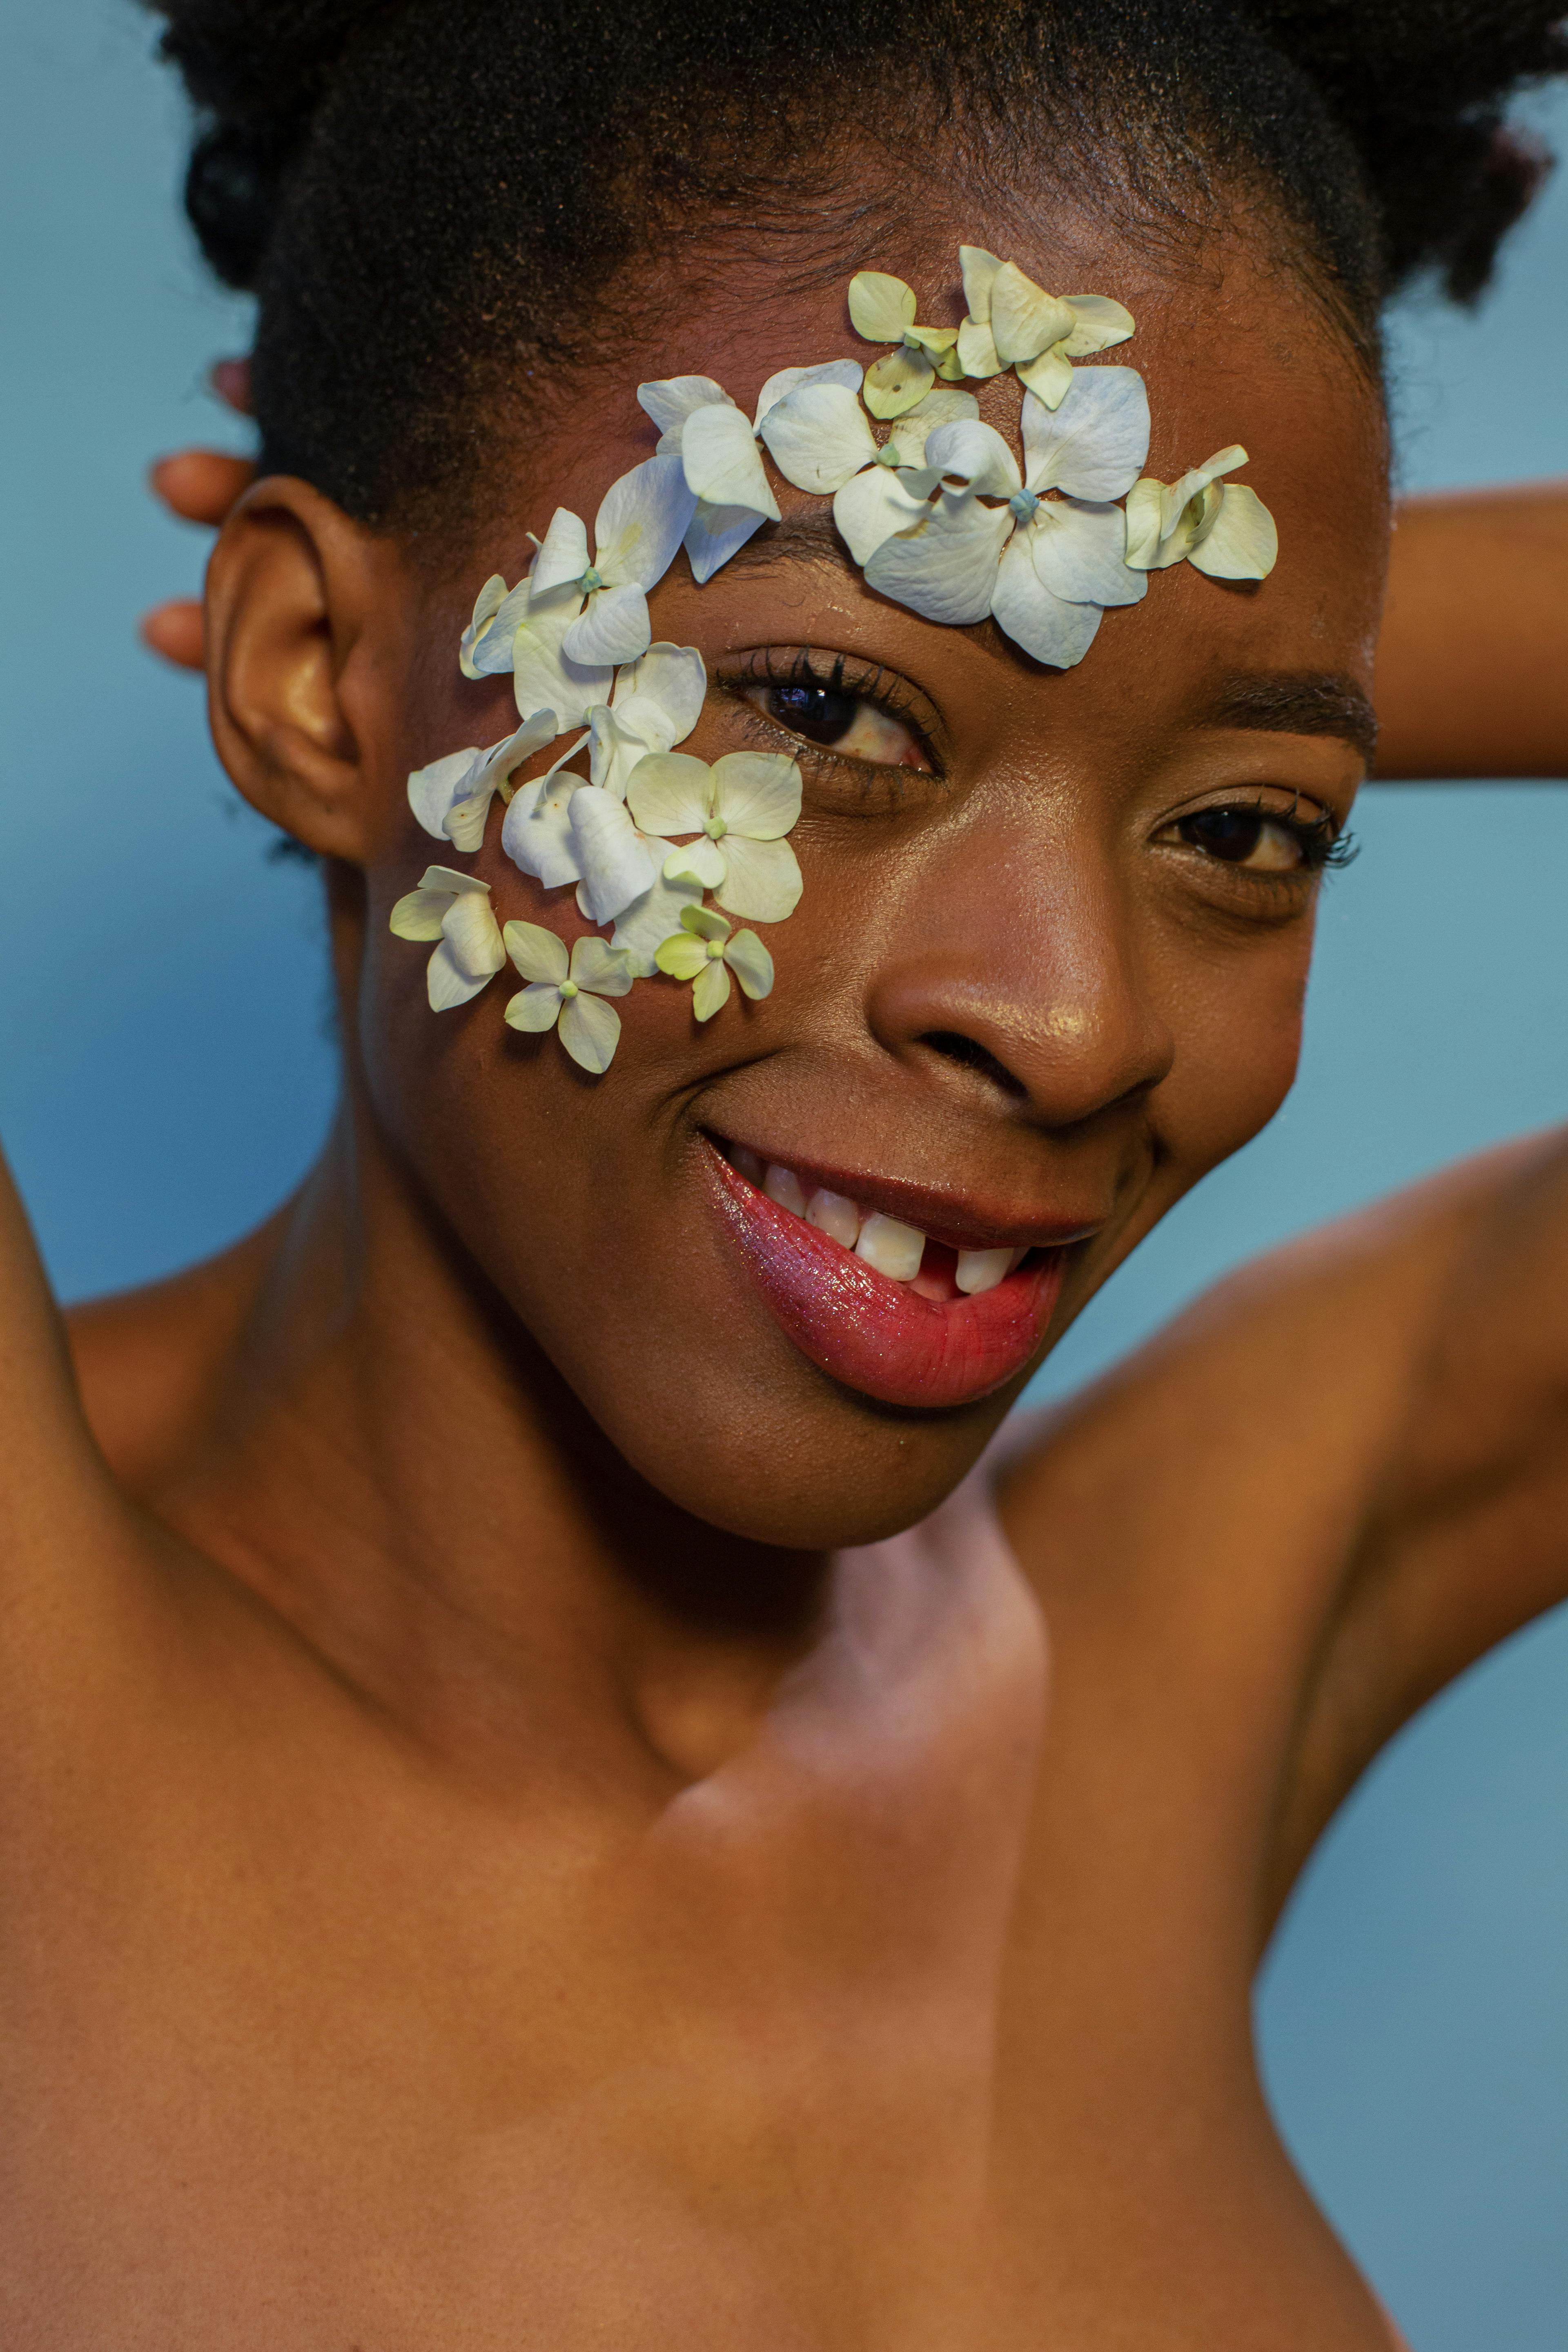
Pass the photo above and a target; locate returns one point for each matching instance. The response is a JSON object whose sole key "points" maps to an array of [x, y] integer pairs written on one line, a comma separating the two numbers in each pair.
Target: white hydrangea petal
{"points": [[978, 454], [680, 956], [447, 985], [669, 793], [762, 879], [724, 465], [977, 353], [871, 508], [433, 789], [897, 381], [1145, 550], [465, 822], [614, 627], [714, 533], [486, 605], [1095, 444], [1049, 377], [1191, 485], [544, 678], [711, 991], [673, 677], [880, 307], [1080, 552], [539, 954], [670, 400], [1024, 320], [590, 1030], [562, 556], [979, 267], [616, 865], [537, 834], [616, 744], [418, 914], [452, 879], [945, 568], [818, 437], [701, 862], [1241, 542], [756, 793], [641, 522], [652, 917], [1101, 323], [704, 922], [1052, 631], [597, 966], [533, 1009], [778, 387], [752, 964], [472, 936], [941, 406]]}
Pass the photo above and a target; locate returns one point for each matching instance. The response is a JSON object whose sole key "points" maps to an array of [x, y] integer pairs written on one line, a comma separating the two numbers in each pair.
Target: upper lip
{"points": [[944, 1214]]}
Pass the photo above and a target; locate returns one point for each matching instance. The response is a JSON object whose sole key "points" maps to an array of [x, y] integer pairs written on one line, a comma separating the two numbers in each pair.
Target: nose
{"points": [[1021, 974]]}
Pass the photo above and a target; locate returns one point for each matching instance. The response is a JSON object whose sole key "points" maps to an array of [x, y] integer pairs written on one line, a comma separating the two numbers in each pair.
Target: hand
{"points": [[200, 486]]}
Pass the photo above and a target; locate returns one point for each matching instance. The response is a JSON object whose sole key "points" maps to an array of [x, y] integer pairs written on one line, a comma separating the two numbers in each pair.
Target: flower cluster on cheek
{"points": [[940, 516]]}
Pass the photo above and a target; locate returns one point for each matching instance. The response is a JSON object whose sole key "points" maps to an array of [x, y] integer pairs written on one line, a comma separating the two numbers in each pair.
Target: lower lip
{"points": [[880, 1337]]}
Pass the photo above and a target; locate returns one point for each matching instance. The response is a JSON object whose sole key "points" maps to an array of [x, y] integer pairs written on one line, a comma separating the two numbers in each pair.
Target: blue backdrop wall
{"points": [[167, 1074]]}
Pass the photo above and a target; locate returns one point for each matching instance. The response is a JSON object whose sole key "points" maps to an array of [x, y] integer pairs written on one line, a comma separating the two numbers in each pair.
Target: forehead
{"points": [[1232, 346]]}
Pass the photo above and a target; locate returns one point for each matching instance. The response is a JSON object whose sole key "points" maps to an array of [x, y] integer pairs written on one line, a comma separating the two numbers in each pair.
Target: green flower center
{"points": [[888, 456], [568, 990], [714, 827], [715, 950], [590, 580]]}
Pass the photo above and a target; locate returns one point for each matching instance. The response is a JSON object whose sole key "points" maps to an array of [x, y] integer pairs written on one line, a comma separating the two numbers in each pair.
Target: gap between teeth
{"points": [[890, 1247]]}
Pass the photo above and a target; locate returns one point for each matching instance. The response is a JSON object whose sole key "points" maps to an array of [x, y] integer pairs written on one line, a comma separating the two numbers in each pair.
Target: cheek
{"points": [[1239, 1041]]}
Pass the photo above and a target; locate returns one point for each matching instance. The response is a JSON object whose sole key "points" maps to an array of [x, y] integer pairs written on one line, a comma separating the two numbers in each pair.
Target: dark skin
{"points": [[550, 1903]]}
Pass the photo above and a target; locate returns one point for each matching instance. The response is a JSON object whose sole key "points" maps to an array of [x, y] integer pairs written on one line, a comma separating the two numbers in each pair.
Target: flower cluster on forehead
{"points": [[939, 514]]}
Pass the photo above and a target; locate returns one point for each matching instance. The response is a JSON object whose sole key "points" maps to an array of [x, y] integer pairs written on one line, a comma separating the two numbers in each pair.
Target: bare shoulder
{"points": [[1200, 1524]]}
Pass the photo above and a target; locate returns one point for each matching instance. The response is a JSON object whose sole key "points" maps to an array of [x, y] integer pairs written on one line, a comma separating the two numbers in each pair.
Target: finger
{"points": [[202, 485], [231, 382], [176, 631]]}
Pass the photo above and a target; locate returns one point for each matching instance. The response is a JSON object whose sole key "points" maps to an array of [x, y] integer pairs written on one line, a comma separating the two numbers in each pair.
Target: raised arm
{"points": [[1472, 664]]}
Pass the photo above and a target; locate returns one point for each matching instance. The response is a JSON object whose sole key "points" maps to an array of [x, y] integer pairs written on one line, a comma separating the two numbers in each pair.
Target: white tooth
{"points": [[783, 1185], [893, 1249], [981, 1270], [833, 1214], [747, 1163]]}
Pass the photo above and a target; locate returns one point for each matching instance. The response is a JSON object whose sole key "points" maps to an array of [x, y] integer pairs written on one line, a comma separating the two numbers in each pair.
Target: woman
{"points": [[515, 1844]]}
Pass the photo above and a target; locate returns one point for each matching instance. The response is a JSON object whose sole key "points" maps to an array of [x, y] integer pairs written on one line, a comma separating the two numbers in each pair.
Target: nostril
{"points": [[953, 1046]]}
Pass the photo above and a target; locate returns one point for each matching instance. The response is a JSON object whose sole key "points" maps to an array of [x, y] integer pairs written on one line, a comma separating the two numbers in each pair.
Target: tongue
{"points": [[938, 1278]]}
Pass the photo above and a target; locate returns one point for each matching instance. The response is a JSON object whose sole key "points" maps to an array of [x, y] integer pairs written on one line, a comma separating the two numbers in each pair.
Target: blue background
{"points": [[167, 1074]]}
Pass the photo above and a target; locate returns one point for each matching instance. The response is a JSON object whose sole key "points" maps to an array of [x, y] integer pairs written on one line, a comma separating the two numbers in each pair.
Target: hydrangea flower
{"points": [[698, 420], [882, 308], [561, 828], [1220, 528], [641, 522], [568, 995], [1014, 323], [819, 440], [451, 797], [705, 950], [454, 910], [509, 633], [1044, 568], [740, 809]]}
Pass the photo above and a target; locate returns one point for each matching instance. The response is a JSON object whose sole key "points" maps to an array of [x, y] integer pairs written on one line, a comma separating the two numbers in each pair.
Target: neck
{"points": [[359, 1430]]}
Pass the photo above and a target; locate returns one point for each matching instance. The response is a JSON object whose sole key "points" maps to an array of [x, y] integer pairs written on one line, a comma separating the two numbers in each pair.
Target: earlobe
{"points": [[290, 597]]}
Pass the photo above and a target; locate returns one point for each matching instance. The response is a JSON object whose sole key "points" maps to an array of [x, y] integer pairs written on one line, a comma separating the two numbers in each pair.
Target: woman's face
{"points": [[1049, 962]]}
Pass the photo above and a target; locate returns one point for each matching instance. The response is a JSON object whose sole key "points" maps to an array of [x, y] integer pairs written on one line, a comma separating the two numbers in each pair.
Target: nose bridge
{"points": [[1022, 957]]}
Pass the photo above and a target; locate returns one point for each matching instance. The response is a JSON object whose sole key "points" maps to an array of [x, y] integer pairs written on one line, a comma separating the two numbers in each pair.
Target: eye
{"points": [[838, 706], [1246, 836]]}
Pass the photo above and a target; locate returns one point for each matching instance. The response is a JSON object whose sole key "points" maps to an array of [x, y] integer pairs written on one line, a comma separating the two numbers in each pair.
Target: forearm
{"points": [[1472, 663]]}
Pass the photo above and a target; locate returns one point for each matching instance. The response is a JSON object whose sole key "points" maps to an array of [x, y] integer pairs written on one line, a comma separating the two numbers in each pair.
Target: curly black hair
{"points": [[428, 196]]}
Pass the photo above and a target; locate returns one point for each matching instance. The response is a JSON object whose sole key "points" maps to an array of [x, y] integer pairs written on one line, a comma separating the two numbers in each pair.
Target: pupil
{"points": [[1230, 833], [821, 713]]}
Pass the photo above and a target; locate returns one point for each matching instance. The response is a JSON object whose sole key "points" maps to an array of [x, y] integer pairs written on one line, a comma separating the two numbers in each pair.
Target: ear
{"points": [[300, 601]]}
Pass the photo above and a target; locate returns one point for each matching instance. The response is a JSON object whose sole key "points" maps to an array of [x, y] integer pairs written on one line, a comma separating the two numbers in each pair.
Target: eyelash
{"points": [[1324, 846], [832, 674]]}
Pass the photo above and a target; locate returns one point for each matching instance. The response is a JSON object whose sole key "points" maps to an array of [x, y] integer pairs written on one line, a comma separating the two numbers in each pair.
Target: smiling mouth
{"points": [[888, 1308]]}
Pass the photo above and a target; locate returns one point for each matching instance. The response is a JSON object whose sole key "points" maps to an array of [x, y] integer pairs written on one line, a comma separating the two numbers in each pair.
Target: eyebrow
{"points": [[802, 538], [1295, 702]]}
